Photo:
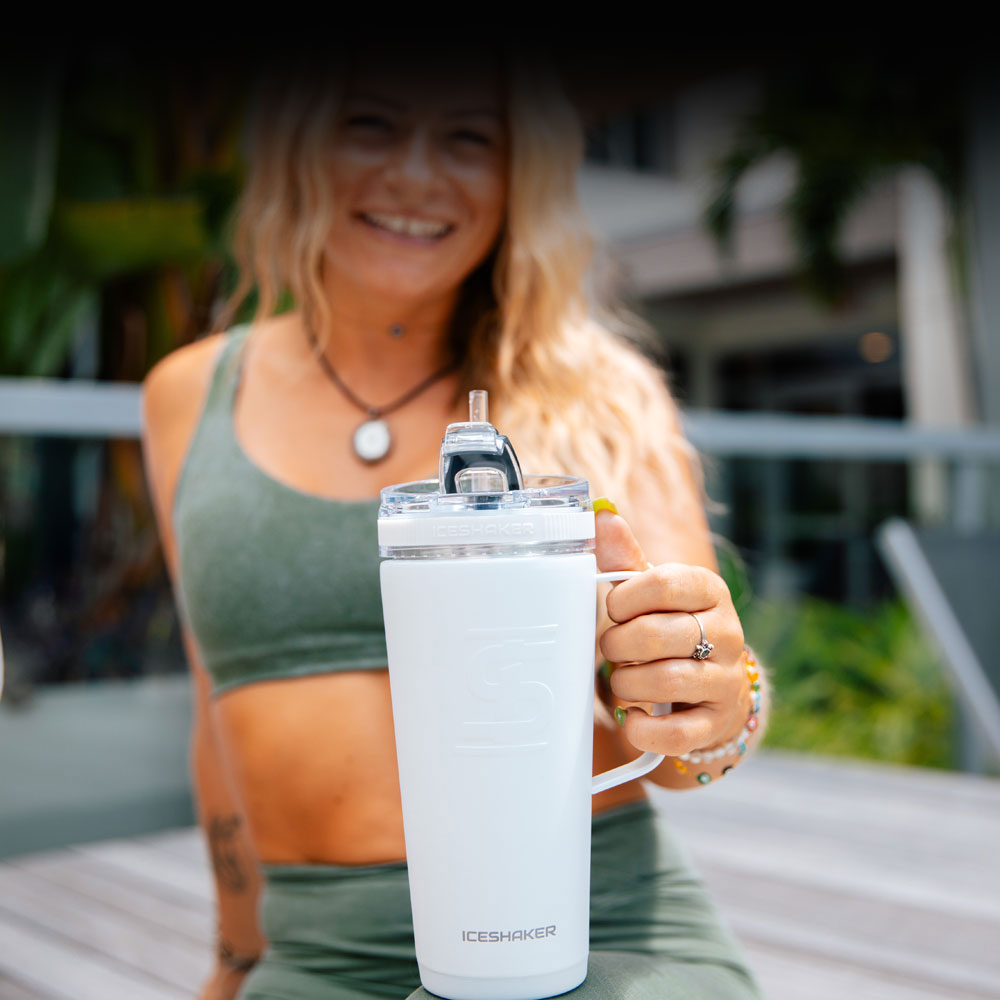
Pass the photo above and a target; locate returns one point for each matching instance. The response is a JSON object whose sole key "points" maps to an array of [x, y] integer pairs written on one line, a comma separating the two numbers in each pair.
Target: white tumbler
{"points": [[489, 598]]}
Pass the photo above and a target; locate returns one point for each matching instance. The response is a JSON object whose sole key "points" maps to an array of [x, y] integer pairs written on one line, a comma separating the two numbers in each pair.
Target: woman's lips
{"points": [[413, 232]]}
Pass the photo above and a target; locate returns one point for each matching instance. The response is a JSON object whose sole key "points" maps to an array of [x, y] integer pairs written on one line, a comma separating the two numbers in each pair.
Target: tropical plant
{"points": [[117, 179], [860, 684], [847, 121], [118, 172], [847, 682]]}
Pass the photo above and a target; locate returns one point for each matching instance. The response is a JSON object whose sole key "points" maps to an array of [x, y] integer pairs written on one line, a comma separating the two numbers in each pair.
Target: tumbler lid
{"points": [[549, 510], [481, 503]]}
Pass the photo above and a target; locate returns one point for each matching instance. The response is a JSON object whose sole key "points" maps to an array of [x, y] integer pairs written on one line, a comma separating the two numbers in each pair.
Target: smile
{"points": [[402, 225]]}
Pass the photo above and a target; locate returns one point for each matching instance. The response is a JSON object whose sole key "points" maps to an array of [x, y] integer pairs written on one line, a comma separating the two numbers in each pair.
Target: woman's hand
{"points": [[652, 642]]}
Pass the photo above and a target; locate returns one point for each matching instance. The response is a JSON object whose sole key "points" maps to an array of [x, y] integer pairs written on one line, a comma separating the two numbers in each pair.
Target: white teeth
{"points": [[409, 227]]}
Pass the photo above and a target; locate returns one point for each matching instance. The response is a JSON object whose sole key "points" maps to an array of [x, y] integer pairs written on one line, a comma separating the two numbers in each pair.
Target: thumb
{"points": [[615, 545]]}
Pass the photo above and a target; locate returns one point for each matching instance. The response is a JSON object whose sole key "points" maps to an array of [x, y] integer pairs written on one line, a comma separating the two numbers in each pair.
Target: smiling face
{"points": [[419, 172]]}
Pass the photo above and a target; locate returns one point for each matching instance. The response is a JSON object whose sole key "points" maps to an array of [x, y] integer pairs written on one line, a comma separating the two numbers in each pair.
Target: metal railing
{"points": [[77, 408]]}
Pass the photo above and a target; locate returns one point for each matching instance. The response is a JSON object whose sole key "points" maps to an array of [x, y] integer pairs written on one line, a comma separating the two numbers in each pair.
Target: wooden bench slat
{"points": [[866, 817], [187, 843], [904, 880], [71, 873], [11, 990], [787, 975], [67, 972], [906, 936], [156, 952], [792, 934], [175, 877]]}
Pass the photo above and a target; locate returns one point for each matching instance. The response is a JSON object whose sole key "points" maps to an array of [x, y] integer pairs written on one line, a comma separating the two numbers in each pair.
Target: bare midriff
{"points": [[314, 761]]}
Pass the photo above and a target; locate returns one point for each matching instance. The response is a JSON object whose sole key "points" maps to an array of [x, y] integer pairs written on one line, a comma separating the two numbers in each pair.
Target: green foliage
{"points": [[118, 179], [115, 236], [845, 682], [846, 124], [733, 570], [850, 683], [42, 308], [28, 127]]}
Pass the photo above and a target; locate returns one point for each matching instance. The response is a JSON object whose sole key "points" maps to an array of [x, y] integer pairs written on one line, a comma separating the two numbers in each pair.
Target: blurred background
{"points": [[815, 240]]}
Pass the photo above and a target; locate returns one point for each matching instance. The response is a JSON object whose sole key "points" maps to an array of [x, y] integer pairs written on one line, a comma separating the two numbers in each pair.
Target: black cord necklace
{"points": [[372, 440]]}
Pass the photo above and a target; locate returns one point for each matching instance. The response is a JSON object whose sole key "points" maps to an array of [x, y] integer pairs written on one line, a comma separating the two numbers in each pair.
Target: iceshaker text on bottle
{"points": [[488, 593]]}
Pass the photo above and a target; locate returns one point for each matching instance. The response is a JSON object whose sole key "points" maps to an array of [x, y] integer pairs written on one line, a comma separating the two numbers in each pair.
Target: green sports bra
{"points": [[273, 582]]}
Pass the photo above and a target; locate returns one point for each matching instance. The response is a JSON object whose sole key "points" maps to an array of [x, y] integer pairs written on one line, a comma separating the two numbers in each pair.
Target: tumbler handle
{"points": [[647, 761]]}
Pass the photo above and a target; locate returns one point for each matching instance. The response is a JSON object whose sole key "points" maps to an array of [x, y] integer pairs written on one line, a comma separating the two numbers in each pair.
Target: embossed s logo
{"points": [[504, 704]]}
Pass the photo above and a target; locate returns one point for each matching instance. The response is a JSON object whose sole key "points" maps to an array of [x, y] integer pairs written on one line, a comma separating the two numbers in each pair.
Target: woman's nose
{"points": [[414, 161]]}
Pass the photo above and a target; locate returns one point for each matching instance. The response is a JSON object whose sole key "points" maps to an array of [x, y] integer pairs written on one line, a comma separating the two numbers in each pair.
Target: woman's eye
{"points": [[368, 121], [468, 135]]}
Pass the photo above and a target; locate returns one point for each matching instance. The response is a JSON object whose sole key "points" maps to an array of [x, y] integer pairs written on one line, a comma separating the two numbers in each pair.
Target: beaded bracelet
{"points": [[734, 746]]}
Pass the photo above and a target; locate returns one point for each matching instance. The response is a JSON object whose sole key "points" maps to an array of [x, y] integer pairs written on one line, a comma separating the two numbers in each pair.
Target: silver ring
{"points": [[704, 648]]}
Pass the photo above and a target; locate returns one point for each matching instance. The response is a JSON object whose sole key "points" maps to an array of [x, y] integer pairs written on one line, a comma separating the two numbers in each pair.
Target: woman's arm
{"points": [[237, 882], [173, 396], [665, 524]]}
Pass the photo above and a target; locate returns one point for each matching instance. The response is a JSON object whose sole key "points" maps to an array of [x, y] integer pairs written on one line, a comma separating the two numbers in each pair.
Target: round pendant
{"points": [[372, 440]]}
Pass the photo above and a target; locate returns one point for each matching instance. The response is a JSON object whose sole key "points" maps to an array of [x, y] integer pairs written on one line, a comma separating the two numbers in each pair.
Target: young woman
{"points": [[422, 217]]}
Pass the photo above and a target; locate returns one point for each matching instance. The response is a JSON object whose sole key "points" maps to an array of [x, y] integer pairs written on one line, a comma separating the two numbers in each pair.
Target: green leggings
{"points": [[344, 932]]}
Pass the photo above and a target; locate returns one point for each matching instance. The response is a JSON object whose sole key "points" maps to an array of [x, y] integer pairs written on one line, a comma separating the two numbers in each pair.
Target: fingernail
{"points": [[606, 669], [620, 715], [603, 503]]}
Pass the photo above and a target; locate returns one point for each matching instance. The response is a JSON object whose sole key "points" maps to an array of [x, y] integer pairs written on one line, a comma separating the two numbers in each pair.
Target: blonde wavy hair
{"points": [[566, 368]]}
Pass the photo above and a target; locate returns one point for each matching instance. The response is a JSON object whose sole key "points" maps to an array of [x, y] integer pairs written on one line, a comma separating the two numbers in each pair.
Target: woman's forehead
{"points": [[447, 85]]}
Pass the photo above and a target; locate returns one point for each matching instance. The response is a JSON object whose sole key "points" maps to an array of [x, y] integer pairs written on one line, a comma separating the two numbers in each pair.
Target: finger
{"points": [[671, 635], [674, 734], [691, 681], [668, 587], [615, 547]]}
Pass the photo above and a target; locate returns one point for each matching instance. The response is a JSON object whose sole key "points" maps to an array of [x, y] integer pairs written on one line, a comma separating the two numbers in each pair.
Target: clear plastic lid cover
{"points": [[551, 514], [423, 498]]}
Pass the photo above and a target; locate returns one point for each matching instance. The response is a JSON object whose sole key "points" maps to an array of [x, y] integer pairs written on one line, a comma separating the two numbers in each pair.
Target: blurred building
{"points": [[911, 341]]}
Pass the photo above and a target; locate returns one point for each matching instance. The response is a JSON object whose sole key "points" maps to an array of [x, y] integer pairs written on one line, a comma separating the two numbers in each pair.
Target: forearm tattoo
{"points": [[223, 840], [229, 957]]}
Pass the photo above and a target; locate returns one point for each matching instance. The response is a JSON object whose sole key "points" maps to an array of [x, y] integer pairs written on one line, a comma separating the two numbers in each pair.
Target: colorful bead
{"points": [[736, 746]]}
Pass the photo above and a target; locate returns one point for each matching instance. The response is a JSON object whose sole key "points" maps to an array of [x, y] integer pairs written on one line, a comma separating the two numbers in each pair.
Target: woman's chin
{"points": [[402, 286]]}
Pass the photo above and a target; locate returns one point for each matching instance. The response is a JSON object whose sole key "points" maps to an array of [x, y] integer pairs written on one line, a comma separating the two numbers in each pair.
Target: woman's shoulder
{"points": [[174, 393], [185, 371], [179, 382]]}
